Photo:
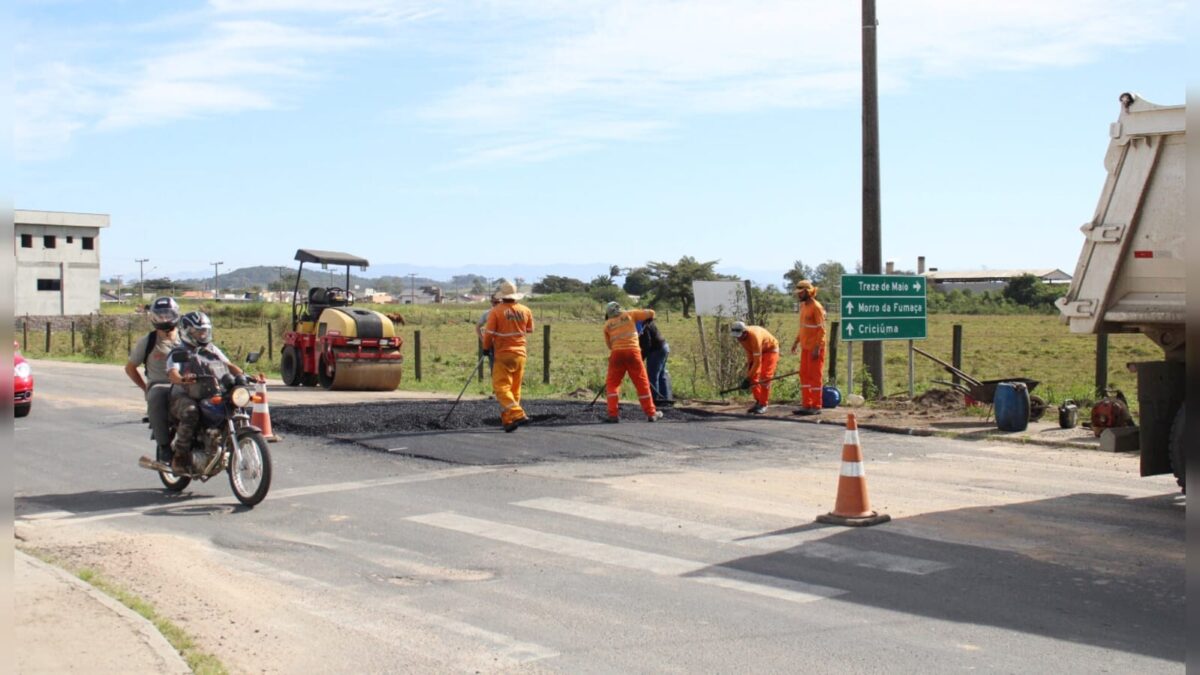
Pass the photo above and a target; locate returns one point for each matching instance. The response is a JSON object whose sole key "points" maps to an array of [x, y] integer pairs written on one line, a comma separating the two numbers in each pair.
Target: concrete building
{"points": [[978, 281], [58, 262]]}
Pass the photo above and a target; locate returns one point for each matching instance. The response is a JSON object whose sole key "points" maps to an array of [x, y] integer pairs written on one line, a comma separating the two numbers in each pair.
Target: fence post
{"points": [[546, 354], [1101, 363], [270, 343], [912, 372], [128, 336], [47, 337], [833, 349], [849, 368], [25, 336], [417, 354], [704, 349], [72, 336], [956, 353]]}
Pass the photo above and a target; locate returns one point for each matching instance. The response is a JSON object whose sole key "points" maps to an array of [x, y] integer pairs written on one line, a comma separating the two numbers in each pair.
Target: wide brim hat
{"points": [[507, 291], [805, 285]]}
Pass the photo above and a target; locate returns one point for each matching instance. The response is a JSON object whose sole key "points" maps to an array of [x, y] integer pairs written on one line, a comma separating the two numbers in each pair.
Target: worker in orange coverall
{"points": [[625, 356], [762, 355], [810, 341], [507, 325]]}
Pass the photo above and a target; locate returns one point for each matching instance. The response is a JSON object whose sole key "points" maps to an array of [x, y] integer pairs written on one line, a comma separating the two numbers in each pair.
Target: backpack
{"points": [[151, 340]]}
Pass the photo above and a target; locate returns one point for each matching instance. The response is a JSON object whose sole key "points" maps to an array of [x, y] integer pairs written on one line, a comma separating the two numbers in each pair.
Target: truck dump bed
{"points": [[1130, 273]]}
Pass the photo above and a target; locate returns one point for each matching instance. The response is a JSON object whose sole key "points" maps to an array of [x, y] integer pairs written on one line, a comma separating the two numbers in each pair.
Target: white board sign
{"points": [[720, 298]]}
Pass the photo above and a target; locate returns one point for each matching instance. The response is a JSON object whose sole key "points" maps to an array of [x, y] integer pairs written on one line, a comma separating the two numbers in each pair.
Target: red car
{"points": [[22, 384]]}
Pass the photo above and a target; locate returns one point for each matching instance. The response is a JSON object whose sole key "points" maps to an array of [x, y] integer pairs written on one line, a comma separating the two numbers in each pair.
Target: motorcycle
{"points": [[224, 441]]}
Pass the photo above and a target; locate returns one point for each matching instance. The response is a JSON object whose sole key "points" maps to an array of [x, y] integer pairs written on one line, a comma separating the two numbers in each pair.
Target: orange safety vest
{"points": [[758, 341], [812, 324], [507, 325], [620, 332]]}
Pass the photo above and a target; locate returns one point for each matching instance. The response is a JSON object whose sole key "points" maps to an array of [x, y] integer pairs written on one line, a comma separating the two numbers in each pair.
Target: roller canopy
{"points": [[309, 255]]}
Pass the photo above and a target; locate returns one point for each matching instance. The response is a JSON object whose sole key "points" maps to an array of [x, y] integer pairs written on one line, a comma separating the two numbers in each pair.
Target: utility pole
{"points": [[216, 280], [872, 255], [141, 278], [118, 276], [412, 277]]}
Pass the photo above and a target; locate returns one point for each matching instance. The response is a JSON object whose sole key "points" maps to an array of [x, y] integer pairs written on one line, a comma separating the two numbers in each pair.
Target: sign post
{"points": [[884, 307]]}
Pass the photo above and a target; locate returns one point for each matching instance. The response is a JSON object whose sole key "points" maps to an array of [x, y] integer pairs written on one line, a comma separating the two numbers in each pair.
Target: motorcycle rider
{"points": [[197, 355], [151, 353]]}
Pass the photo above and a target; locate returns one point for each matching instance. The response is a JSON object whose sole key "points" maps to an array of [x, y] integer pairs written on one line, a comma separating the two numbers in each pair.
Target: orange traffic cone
{"points": [[261, 415], [852, 506]]}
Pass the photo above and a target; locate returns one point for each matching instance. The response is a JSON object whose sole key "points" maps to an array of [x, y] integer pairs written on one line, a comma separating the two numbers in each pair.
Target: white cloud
{"points": [[664, 60]]}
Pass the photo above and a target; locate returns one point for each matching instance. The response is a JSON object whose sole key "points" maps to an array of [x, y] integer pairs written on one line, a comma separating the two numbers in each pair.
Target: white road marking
{"points": [[749, 582], [47, 515], [289, 493], [801, 543], [397, 449]]}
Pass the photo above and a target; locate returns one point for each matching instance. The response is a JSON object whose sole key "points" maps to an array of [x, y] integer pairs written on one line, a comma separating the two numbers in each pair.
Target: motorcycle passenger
{"points": [[150, 353], [196, 356]]}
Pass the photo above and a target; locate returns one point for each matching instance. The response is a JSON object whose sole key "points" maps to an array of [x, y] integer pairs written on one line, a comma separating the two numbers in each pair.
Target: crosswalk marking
{"points": [[803, 543], [663, 565]]}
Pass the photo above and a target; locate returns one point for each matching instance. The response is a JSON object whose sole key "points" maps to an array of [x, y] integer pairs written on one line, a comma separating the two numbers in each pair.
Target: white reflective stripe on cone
{"points": [[851, 437], [853, 469]]}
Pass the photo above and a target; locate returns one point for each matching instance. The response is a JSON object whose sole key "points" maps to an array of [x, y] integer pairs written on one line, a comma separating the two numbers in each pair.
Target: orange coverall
{"points": [[811, 341], [507, 325], [625, 356], [762, 355]]}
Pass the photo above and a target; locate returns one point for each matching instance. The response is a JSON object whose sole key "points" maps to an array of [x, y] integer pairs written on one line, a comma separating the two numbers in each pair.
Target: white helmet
{"points": [[737, 330], [612, 309], [195, 329]]}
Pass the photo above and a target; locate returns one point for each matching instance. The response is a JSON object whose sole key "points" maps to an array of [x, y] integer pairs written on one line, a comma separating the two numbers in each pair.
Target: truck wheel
{"points": [[289, 366], [1175, 445]]}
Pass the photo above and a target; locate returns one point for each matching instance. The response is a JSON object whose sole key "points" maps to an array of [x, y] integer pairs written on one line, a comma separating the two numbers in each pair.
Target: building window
{"points": [[48, 241], [27, 241], [89, 243], [70, 240], [49, 284]]}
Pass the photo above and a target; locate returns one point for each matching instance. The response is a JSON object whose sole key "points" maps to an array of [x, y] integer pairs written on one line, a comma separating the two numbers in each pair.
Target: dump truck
{"points": [[1130, 277], [333, 343]]}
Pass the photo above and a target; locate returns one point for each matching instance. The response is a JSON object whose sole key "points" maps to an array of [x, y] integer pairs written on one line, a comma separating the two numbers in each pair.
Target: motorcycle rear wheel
{"points": [[250, 468], [172, 482]]}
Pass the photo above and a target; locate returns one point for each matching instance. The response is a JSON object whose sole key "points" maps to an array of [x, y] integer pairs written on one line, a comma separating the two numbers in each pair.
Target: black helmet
{"points": [[195, 329], [164, 313]]}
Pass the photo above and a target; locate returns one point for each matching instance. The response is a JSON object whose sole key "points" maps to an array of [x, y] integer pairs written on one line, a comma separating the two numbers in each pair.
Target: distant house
{"points": [[57, 262], [978, 281]]}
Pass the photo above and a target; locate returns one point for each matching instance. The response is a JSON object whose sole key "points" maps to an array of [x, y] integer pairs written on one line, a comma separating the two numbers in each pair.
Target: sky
{"points": [[431, 135]]}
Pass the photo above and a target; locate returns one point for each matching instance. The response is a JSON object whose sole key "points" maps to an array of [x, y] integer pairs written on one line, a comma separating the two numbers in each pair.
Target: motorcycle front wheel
{"points": [[250, 468], [172, 482]]}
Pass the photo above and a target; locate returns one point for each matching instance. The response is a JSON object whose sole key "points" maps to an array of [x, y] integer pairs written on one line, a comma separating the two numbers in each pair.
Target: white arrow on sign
{"points": [[850, 307], [917, 286], [850, 329]]}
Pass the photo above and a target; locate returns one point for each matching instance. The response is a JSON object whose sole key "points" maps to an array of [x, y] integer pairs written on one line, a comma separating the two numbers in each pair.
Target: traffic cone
{"points": [[852, 506], [261, 415]]}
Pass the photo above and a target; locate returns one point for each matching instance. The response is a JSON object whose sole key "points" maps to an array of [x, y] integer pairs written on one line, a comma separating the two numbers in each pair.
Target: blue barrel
{"points": [[1012, 406], [831, 397]]}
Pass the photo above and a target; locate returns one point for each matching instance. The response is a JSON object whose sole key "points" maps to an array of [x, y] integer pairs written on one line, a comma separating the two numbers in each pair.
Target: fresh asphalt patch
{"points": [[472, 434]]}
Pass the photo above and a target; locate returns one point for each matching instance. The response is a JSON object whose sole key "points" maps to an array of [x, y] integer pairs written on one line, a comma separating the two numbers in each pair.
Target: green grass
{"points": [[201, 663], [1033, 346]]}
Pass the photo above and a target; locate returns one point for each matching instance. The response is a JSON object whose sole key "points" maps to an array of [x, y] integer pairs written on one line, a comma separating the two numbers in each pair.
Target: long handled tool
{"points": [[465, 385], [777, 377]]}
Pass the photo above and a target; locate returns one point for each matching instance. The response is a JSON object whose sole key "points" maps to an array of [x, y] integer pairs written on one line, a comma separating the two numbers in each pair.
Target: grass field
{"points": [[1033, 346]]}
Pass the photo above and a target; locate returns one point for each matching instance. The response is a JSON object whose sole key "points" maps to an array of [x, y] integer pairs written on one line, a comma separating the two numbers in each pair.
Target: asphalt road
{"points": [[682, 546]]}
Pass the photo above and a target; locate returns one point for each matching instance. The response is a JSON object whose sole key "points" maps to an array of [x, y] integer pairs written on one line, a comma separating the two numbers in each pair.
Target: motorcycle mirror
{"points": [[228, 380]]}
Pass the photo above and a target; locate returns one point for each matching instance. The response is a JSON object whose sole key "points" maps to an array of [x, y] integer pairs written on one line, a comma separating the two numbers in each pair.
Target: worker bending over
{"points": [[762, 355], [811, 342], [625, 356], [507, 325]]}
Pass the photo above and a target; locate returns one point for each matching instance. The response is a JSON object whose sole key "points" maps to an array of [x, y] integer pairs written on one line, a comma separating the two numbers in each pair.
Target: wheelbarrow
{"points": [[984, 391]]}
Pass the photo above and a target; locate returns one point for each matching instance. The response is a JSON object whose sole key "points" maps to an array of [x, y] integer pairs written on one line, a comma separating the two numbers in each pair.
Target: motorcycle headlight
{"points": [[22, 370], [240, 397]]}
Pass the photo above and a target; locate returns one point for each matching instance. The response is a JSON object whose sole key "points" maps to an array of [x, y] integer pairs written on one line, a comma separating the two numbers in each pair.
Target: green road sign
{"points": [[883, 307]]}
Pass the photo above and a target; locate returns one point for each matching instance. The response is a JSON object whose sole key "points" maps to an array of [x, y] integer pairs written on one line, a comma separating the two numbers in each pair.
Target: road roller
{"points": [[335, 344]]}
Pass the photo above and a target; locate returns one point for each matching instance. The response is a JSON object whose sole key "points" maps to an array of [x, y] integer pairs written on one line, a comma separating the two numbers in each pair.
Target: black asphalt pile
{"points": [[418, 416]]}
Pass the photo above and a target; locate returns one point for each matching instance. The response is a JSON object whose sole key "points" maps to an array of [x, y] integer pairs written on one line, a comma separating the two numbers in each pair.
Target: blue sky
{"points": [[570, 132]]}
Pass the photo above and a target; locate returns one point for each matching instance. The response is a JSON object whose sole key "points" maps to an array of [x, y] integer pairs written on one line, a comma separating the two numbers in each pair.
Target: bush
{"points": [[101, 335]]}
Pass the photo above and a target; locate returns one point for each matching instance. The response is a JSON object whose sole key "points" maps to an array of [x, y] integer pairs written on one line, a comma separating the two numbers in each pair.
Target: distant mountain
{"points": [[394, 277]]}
